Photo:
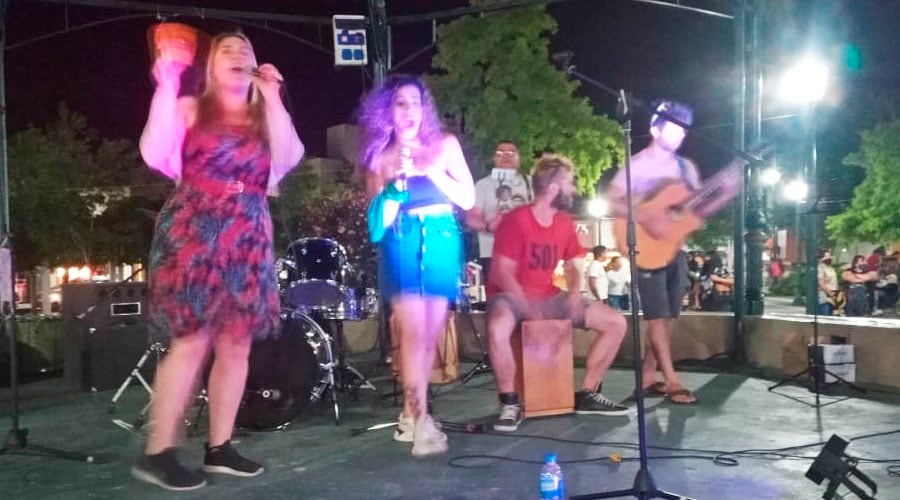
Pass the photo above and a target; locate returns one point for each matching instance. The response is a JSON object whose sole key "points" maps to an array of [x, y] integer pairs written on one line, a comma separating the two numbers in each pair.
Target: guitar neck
{"points": [[718, 188]]}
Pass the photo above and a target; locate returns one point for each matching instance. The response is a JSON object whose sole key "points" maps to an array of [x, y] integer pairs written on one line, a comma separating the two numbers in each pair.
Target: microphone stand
{"points": [[643, 487], [17, 438]]}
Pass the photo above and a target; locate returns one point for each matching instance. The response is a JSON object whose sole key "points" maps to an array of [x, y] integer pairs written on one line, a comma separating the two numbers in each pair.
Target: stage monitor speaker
{"points": [[105, 332]]}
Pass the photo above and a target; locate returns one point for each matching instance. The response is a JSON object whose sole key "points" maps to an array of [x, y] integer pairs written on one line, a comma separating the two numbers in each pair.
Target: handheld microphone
{"points": [[256, 73], [405, 154]]}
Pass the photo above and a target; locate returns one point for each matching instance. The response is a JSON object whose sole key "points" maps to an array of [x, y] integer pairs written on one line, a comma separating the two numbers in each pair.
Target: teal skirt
{"points": [[421, 255]]}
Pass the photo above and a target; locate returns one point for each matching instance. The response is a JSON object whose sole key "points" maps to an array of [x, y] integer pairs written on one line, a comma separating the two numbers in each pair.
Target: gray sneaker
{"points": [[594, 403], [509, 419]]}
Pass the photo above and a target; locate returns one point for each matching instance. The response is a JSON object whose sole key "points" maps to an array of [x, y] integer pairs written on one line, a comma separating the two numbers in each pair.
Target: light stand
{"points": [[815, 363], [644, 487]]}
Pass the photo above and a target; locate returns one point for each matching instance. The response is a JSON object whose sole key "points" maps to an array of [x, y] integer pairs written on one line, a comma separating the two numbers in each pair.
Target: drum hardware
{"points": [[464, 307], [157, 349], [347, 373], [484, 364], [202, 400]]}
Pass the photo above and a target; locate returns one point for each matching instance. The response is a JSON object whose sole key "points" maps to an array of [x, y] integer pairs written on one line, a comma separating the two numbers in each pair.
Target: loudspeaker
{"points": [[105, 331]]}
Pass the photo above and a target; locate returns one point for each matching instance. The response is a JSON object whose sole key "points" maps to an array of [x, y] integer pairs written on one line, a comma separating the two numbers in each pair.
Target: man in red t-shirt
{"points": [[528, 244]]}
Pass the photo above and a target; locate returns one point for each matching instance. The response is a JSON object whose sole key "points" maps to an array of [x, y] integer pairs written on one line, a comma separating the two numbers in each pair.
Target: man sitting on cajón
{"points": [[529, 242]]}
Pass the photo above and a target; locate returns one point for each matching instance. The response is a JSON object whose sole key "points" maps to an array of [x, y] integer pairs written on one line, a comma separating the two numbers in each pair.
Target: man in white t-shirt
{"points": [[496, 195], [597, 283]]}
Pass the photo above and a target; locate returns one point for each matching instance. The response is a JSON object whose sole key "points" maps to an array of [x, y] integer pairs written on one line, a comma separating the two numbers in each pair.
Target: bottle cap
{"points": [[550, 458]]}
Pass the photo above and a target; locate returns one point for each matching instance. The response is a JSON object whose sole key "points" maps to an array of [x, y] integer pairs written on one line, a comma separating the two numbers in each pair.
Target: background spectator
{"points": [[618, 284]]}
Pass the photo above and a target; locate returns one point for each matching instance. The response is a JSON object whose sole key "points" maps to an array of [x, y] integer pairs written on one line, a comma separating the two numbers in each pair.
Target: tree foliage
{"points": [[58, 176], [874, 212], [716, 231], [495, 79]]}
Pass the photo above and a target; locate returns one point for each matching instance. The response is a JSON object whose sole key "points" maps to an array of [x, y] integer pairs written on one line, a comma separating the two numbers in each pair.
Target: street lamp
{"points": [[598, 207], [796, 191], [806, 83]]}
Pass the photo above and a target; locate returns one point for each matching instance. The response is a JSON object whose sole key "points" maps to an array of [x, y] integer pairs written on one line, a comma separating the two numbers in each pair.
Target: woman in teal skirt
{"points": [[417, 177]]}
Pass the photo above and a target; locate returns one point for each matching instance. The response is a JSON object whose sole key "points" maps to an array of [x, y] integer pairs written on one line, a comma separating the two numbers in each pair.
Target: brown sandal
{"points": [[655, 389], [682, 392]]}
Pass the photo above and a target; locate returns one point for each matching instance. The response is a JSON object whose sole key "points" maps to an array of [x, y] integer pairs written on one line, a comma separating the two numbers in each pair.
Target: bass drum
{"points": [[286, 373]]}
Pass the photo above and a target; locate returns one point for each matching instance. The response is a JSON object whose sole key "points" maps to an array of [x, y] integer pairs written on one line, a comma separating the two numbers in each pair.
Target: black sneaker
{"points": [[509, 419], [224, 459], [594, 403], [164, 471]]}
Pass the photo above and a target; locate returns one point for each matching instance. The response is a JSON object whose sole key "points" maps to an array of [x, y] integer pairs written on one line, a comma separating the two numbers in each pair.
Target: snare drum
{"points": [[317, 280], [286, 373]]}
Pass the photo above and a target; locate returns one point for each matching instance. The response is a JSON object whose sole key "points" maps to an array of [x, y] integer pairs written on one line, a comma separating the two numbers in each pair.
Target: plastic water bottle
{"points": [[552, 483]]}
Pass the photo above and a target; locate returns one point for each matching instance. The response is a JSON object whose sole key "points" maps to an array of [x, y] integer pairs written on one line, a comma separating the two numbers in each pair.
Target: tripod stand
{"points": [[17, 438], [815, 363], [346, 372], [643, 487], [157, 349]]}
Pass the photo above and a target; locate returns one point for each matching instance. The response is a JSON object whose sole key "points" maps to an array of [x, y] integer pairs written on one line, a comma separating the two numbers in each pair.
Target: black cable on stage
{"points": [[717, 457], [457, 461]]}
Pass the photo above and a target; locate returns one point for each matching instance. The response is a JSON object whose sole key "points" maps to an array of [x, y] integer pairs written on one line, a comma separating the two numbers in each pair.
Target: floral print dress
{"points": [[211, 260]]}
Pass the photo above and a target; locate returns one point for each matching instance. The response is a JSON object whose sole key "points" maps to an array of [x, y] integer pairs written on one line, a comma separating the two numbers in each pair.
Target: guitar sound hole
{"points": [[676, 213]]}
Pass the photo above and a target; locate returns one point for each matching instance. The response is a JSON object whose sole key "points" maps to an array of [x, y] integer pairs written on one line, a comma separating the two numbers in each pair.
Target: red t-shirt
{"points": [[536, 249], [874, 262]]}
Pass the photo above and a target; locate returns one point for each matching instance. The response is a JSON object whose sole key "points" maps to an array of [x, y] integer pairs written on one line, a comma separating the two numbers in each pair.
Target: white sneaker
{"points": [[427, 439], [406, 428]]}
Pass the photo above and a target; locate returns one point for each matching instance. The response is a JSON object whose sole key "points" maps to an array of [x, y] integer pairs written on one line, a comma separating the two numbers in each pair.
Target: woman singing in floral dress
{"points": [[212, 278]]}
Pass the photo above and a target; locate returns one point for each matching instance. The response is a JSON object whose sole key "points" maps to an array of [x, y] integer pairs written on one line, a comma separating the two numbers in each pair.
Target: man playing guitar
{"points": [[661, 289]]}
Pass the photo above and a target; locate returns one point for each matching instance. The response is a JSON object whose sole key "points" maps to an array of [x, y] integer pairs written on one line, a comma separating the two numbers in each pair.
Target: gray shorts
{"points": [[553, 308], [662, 290]]}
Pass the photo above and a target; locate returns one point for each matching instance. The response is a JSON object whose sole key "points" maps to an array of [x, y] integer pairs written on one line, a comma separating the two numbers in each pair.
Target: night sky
{"points": [[103, 71]]}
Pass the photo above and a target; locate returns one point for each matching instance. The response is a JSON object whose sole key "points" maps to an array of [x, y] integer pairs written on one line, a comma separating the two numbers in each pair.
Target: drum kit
{"points": [[305, 363]]}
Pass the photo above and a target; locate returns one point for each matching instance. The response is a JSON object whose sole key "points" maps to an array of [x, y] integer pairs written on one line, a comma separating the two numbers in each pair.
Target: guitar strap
{"points": [[682, 170]]}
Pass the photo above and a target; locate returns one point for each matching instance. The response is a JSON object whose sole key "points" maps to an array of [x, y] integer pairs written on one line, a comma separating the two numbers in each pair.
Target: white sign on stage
{"points": [[349, 40]]}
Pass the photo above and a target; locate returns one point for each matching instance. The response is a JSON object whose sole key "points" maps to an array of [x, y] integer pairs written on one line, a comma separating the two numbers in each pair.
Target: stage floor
{"points": [[314, 459]]}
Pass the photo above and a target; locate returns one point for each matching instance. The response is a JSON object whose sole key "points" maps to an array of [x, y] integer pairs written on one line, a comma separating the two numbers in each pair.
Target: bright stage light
{"points": [[770, 176], [598, 207], [806, 82]]}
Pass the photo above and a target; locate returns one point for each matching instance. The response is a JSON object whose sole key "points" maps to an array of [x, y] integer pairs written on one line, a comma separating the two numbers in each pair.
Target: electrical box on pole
{"points": [[350, 40]]}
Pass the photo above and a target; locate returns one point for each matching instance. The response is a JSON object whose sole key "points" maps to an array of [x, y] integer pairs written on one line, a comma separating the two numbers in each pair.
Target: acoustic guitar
{"points": [[684, 212]]}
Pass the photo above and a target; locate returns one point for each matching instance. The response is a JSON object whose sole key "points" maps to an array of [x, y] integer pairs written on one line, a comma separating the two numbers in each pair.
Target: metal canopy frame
{"points": [[745, 19]]}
